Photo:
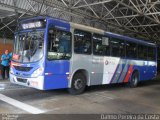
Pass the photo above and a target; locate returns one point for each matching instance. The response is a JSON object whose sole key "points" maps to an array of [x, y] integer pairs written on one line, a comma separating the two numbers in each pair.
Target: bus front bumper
{"points": [[37, 82]]}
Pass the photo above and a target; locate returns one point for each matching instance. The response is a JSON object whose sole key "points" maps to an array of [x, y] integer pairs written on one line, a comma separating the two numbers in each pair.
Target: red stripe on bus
{"points": [[128, 73]]}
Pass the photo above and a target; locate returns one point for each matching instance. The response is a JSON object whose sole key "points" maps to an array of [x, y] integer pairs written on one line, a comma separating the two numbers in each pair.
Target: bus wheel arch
{"points": [[79, 82], [134, 79]]}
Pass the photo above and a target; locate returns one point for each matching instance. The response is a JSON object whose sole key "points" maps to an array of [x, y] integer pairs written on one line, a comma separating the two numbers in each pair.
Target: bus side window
{"points": [[151, 53], [131, 50], [82, 42], [142, 52], [117, 47], [99, 45]]}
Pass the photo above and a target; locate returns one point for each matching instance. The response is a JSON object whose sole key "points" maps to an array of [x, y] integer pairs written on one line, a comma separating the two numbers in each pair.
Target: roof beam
{"points": [[91, 9], [64, 3], [139, 13], [92, 4], [147, 25], [6, 25], [135, 15]]}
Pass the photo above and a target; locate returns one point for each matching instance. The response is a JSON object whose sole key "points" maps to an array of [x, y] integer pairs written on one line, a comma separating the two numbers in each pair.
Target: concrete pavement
{"points": [[117, 99]]}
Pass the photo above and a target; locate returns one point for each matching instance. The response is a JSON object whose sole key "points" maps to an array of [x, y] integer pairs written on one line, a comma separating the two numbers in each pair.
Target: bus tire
{"points": [[134, 80], [78, 84]]}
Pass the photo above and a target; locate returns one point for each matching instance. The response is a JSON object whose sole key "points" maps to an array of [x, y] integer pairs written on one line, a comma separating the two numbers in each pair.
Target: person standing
{"points": [[5, 64], [10, 57]]}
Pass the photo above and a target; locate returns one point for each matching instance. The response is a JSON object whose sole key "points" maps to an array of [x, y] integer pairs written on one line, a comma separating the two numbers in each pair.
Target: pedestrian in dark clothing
{"points": [[5, 64]]}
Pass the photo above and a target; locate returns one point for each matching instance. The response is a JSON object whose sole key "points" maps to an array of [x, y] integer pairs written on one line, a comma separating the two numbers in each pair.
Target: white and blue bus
{"points": [[50, 53]]}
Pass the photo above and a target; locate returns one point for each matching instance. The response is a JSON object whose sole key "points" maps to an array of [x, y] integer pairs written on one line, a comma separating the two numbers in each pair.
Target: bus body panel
{"points": [[56, 74], [97, 69], [118, 70], [125, 69], [151, 69], [81, 62], [110, 71]]}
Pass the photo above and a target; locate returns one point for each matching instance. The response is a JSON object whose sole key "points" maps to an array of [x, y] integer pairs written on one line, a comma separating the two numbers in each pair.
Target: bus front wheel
{"points": [[134, 80], [78, 84]]}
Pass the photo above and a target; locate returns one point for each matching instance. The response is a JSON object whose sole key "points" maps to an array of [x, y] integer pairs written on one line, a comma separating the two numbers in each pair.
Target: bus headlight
{"points": [[37, 72]]}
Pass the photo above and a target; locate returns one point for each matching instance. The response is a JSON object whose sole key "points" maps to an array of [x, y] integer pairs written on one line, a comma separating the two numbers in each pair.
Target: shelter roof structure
{"points": [[134, 18]]}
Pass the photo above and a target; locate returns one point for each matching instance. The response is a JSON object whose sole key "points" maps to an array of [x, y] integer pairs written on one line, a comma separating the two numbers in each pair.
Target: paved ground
{"points": [[117, 99]]}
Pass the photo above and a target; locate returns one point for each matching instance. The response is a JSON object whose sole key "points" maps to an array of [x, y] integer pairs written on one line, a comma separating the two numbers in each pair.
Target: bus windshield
{"points": [[29, 47]]}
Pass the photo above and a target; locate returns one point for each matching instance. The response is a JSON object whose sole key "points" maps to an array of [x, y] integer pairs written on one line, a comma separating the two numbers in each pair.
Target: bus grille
{"points": [[24, 69], [22, 80]]}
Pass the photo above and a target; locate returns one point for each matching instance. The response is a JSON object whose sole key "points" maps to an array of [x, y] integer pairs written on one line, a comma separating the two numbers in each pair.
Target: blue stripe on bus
{"points": [[123, 67], [115, 73], [128, 66]]}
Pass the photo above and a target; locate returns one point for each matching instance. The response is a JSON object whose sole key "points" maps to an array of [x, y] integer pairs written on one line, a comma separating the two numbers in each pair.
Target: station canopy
{"points": [[134, 18]]}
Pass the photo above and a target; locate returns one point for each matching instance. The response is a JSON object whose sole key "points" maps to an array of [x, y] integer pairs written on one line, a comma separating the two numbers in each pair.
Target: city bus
{"points": [[51, 53]]}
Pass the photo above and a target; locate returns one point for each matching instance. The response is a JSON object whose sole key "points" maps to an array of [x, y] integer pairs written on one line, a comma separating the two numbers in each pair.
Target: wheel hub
{"points": [[78, 84]]}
